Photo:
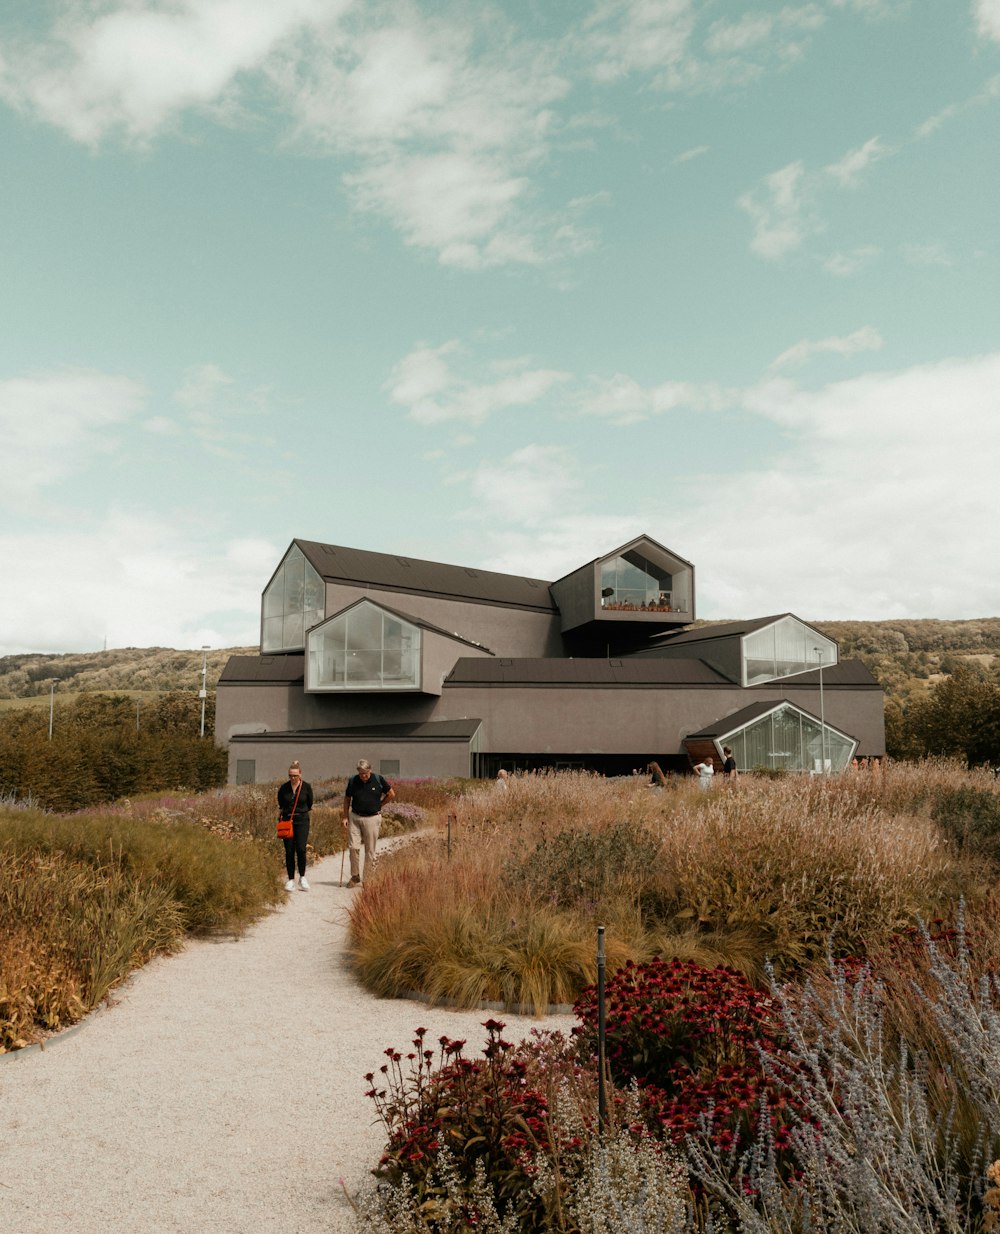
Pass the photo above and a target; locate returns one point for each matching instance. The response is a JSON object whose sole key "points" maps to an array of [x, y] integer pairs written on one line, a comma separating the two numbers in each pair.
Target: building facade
{"points": [[429, 669]]}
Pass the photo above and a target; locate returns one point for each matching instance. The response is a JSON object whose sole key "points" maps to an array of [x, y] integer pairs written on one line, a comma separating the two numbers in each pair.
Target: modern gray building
{"points": [[429, 669]]}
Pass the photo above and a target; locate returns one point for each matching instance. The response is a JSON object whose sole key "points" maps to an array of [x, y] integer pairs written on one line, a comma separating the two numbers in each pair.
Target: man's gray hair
{"points": [[364, 765]]}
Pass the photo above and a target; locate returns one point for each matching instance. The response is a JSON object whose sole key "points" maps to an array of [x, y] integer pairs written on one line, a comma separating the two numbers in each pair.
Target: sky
{"points": [[503, 285]]}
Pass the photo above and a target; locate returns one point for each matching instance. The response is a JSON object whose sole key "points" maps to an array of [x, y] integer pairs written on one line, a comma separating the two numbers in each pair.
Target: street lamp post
{"points": [[52, 704], [822, 713], [203, 692]]}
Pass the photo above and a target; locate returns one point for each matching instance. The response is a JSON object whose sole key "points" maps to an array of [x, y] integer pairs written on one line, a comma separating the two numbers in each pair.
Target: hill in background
{"points": [[151, 670], [905, 657]]}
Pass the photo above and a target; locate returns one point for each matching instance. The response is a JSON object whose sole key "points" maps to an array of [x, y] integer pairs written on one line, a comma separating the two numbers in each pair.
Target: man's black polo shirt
{"points": [[366, 798]]}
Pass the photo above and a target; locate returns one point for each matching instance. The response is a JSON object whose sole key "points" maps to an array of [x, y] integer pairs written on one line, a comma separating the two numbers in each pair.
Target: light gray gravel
{"points": [[221, 1091]]}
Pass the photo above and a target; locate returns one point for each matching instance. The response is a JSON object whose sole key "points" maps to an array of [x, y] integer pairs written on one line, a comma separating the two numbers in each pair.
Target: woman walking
{"points": [[295, 800]]}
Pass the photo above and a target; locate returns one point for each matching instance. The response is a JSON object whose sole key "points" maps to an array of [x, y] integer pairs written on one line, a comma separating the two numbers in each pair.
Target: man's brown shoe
{"points": [[355, 882]]}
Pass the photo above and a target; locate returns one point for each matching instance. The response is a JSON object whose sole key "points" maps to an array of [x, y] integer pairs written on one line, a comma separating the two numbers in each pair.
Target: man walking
{"points": [[364, 797]]}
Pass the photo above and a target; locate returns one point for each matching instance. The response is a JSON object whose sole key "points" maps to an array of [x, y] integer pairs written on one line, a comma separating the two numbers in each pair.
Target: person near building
{"points": [[729, 763], [295, 801], [705, 770], [364, 797]]}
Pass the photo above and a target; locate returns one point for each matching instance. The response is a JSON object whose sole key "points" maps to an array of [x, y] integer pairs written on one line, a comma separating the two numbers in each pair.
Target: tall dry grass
{"points": [[754, 870], [86, 899]]}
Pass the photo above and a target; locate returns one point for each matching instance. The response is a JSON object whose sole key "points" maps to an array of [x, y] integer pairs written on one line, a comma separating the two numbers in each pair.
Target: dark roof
{"points": [[582, 672], [415, 621], [425, 730], [263, 669], [725, 629], [362, 568], [746, 715], [844, 673]]}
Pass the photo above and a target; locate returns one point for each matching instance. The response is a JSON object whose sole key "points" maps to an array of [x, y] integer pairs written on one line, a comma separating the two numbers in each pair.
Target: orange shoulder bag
{"points": [[285, 827]]}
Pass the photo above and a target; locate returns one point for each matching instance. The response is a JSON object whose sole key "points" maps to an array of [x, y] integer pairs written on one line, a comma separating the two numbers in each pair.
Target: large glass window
{"points": [[785, 648], [789, 740], [365, 648], [293, 601], [632, 581]]}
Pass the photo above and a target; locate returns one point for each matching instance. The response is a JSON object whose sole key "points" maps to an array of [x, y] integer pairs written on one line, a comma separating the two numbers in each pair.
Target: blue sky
{"points": [[501, 285]]}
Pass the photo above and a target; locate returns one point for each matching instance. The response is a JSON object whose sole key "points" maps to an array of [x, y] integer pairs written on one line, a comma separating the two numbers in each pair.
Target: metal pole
{"points": [[203, 692], [450, 817], [602, 1092], [822, 713], [52, 699]]}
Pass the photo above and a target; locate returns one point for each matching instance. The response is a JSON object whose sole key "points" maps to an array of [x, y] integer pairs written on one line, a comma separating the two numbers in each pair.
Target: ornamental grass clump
{"points": [[797, 862], [69, 932], [753, 871], [86, 899]]}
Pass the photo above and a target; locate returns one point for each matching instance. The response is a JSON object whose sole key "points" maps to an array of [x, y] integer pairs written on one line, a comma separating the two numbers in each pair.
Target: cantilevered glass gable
{"points": [[786, 647], [364, 648], [293, 601], [787, 739]]}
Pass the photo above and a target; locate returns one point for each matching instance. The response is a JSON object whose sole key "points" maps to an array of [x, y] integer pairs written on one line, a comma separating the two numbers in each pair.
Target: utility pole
{"points": [[203, 692], [52, 703], [822, 713]]}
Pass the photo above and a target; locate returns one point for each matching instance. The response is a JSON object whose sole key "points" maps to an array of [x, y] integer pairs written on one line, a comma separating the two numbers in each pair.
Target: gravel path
{"points": [[177, 1108]]}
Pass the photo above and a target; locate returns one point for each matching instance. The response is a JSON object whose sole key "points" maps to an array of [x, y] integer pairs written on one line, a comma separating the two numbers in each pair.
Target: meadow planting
{"points": [[87, 897], [803, 1008]]}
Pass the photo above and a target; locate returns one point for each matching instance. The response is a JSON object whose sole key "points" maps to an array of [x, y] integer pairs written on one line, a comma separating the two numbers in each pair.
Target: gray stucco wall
{"points": [[624, 721], [554, 719], [504, 631], [323, 759]]}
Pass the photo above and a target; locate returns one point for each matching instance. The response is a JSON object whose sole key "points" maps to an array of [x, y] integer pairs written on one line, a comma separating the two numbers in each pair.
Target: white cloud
{"points": [[629, 36], [622, 400], [54, 424], [752, 29], [694, 153], [559, 543], [527, 487], [987, 15], [433, 392], [446, 122], [782, 205], [133, 579], [988, 94], [862, 518], [133, 68], [931, 254], [848, 170], [660, 38], [843, 265], [865, 339], [779, 212], [443, 122]]}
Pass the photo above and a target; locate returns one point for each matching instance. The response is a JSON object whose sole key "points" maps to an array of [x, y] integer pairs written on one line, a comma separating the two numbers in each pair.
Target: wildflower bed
{"points": [[800, 1056]]}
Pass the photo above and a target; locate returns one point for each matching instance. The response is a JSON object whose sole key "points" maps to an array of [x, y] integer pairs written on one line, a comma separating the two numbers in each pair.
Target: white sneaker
{"points": [[290, 885], [303, 883]]}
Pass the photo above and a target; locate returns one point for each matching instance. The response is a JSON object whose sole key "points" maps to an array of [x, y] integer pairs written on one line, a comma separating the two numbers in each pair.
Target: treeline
{"points": [[102, 748], [958, 715], [905, 657], [124, 668]]}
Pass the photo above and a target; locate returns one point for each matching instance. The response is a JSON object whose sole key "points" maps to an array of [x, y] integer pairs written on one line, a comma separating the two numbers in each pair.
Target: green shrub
{"points": [[970, 818]]}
